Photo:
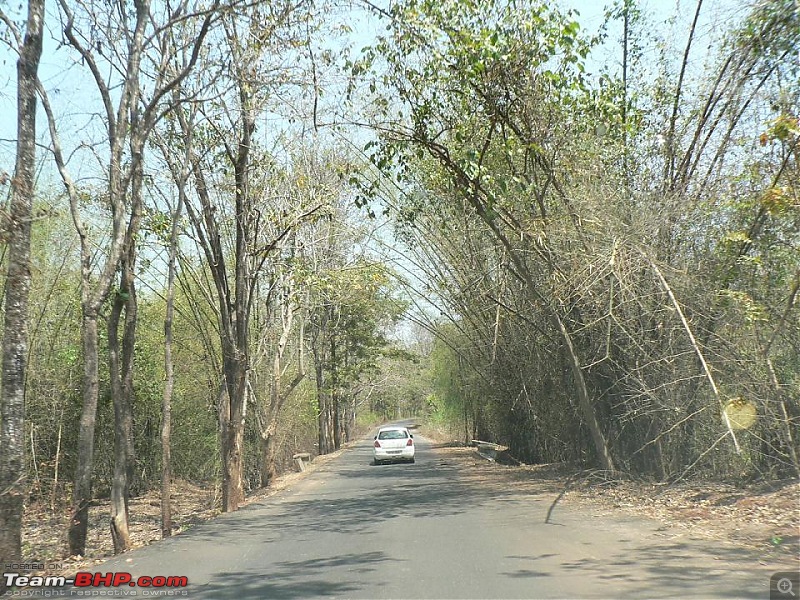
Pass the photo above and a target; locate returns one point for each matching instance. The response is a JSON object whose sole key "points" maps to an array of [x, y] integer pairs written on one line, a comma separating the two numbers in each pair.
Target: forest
{"points": [[237, 230]]}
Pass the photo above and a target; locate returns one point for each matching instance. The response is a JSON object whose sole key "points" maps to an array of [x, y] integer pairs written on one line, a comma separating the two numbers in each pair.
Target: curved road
{"points": [[353, 530]]}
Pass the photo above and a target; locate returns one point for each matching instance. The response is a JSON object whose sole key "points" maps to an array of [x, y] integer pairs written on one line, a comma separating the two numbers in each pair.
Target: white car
{"points": [[393, 444]]}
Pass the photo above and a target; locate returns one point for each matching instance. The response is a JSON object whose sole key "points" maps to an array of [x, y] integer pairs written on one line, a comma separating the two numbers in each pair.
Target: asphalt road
{"points": [[353, 530]]}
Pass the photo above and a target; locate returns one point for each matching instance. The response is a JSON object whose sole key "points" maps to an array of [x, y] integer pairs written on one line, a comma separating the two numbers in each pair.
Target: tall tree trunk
{"points": [[324, 408], [232, 434], [335, 422], [278, 395], [119, 484], [234, 307], [321, 416], [82, 492], [15, 330], [166, 430], [236, 373], [320, 347], [121, 377], [169, 371], [350, 421]]}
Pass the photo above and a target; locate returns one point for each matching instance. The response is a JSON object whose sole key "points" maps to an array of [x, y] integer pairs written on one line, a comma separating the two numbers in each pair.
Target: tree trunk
{"points": [[321, 409], [121, 377], [324, 410], [119, 484], [17, 291], [232, 435], [166, 430], [82, 493], [269, 469], [350, 421], [466, 426], [336, 406], [335, 409], [278, 395], [169, 372], [232, 485]]}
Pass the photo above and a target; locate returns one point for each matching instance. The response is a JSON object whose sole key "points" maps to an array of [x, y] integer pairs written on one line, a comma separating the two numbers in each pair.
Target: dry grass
{"points": [[764, 516]]}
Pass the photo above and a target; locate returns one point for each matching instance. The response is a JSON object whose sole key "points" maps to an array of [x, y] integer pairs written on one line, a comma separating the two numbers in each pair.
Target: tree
{"points": [[239, 219], [181, 177], [560, 253], [286, 303], [352, 312], [506, 112], [17, 229], [128, 126]]}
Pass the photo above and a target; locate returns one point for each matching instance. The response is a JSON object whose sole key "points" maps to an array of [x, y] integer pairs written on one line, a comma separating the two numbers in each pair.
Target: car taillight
{"points": [[410, 442], [377, 444]]}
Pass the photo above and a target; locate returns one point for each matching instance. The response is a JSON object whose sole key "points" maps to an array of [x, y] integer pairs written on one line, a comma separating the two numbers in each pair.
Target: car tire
{"points": [[412, 461], [375, 462]]}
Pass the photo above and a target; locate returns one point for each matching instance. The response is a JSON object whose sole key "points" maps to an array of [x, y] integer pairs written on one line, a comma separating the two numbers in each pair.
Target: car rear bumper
{"points": [[404, 454]]}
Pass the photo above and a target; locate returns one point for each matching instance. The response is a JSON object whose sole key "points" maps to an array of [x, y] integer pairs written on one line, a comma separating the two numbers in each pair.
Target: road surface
{"points": [[353, 530]]}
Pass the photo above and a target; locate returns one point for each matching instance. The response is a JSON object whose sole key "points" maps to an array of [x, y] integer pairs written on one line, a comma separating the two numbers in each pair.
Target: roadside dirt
{"points": [[764, 517], [44, 531]]}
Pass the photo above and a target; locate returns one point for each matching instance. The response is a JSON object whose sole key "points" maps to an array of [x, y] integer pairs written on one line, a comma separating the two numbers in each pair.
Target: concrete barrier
{"points": [[488, 450], [302, 459], [494, 452]]}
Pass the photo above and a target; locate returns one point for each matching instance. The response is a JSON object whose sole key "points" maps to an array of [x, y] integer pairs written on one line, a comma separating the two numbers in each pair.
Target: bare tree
{"points": [[180, 172], [169, 372], [285, 302], [128, 126], [17, 230], [241, 224]]}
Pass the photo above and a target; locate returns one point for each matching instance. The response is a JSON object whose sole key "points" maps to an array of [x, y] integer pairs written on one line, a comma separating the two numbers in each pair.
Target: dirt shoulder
{"points": [[763, 517], [44, 531]]}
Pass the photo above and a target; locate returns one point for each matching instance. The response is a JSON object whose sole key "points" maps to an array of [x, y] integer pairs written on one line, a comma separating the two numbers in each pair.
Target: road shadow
{"points": [[645, 568], [314, 578], [422, 490]]}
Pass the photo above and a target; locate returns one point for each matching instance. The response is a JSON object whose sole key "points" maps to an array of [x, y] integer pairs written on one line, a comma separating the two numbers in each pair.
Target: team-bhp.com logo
{"points": [[158, 585]]}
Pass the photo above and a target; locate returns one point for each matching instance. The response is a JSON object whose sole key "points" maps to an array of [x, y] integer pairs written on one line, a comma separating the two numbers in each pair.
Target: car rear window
{"points": [[394, 434]]}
